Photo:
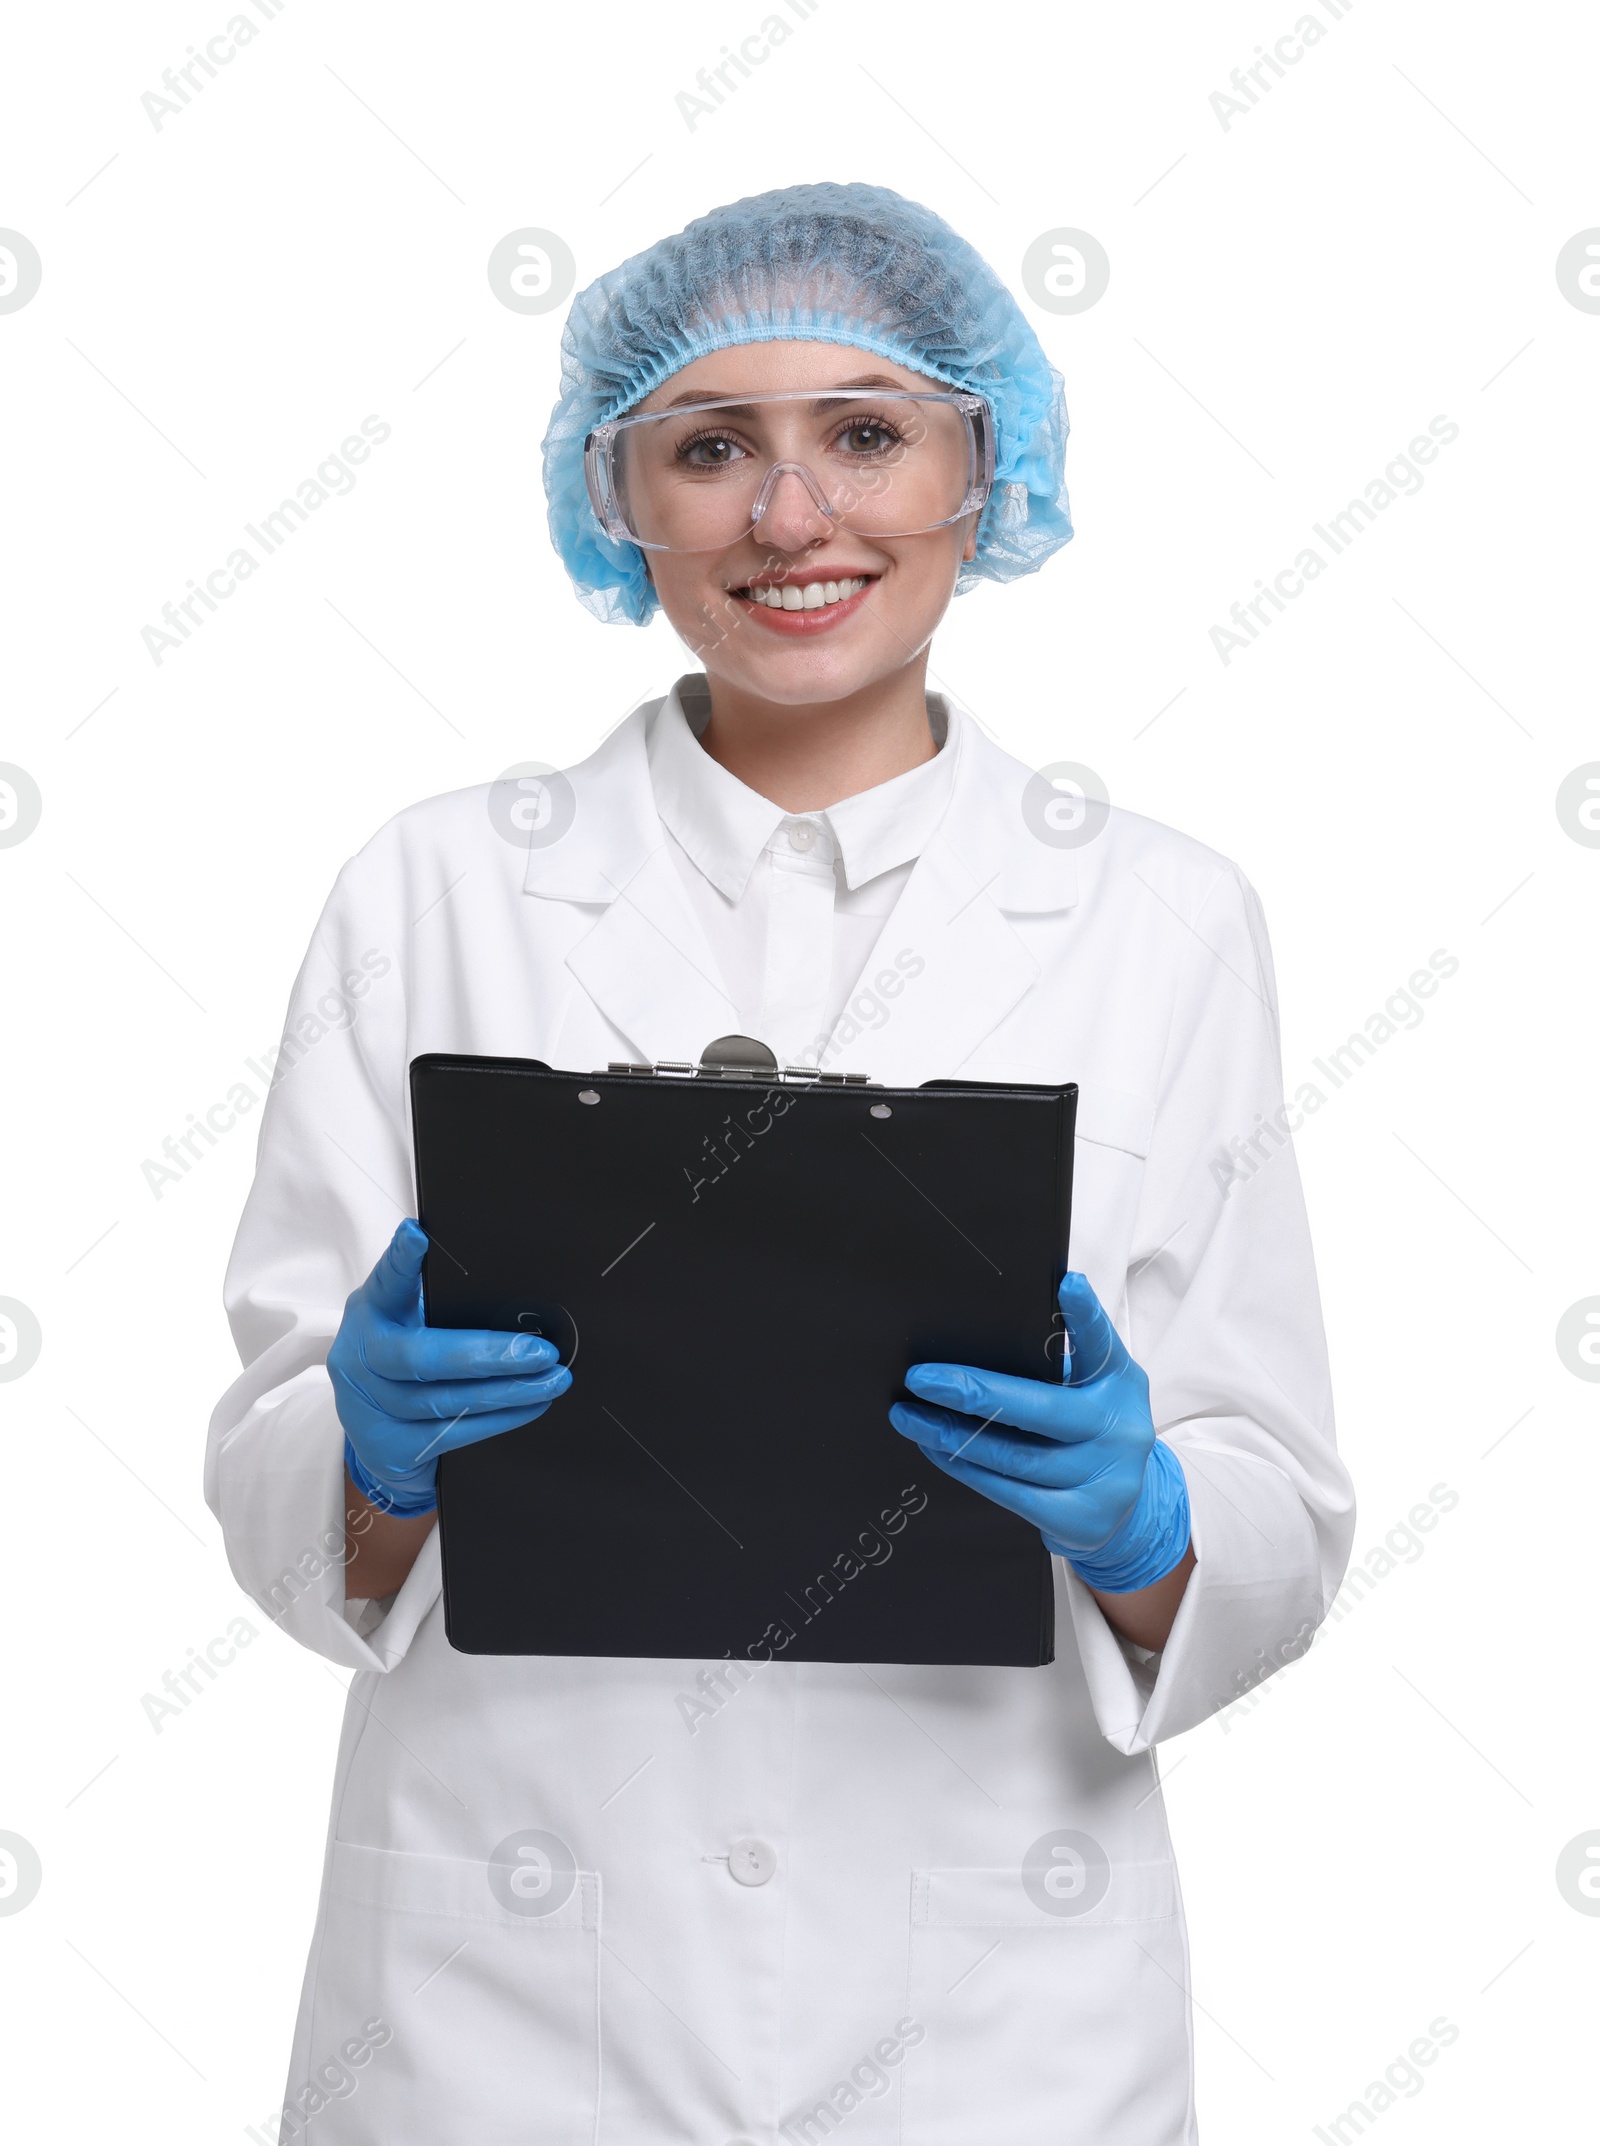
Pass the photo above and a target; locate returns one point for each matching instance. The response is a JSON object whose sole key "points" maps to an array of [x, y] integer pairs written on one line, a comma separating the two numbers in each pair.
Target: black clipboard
{"points": [[740, 1267]]}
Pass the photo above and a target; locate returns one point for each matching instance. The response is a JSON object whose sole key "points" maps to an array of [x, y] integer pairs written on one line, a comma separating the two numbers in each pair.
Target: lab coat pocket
{"points": [[1117, 1118], [1047, 2022], [1114, 1129], [493, 2014]]}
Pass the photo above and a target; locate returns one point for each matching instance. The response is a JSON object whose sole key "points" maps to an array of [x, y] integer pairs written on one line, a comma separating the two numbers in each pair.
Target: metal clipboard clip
{"points": [[740, 1058]]}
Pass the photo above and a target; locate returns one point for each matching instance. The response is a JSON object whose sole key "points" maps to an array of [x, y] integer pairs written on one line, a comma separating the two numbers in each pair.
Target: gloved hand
{"points": [[406, 1392], [1080, 1460]]}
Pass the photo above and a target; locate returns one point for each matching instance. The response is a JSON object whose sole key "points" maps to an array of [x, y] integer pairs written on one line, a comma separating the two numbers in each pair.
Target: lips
{"points": [[806, 596], [801, 608]]}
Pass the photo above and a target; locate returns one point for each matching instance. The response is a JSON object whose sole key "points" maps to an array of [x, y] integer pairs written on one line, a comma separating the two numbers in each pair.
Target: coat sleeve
{"points": [[1222, 1311], [333, 1177]]}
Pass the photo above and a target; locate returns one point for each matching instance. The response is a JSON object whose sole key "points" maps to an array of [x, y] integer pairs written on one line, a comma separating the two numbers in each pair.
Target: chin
{"points": [[807, 673], [802, 679]]}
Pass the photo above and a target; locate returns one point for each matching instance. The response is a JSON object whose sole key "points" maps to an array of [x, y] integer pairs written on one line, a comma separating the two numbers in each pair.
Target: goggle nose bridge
{"points": [[769, 484]]}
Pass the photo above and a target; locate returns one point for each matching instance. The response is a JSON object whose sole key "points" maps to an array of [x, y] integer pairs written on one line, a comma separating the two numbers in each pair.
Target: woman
{"points": [[928, 1904]]}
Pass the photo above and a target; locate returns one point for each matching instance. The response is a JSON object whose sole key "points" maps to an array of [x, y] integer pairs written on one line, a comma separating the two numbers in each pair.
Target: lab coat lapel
{"points": [[949, 940], [946, 968], [646, 964], [648, 968]]}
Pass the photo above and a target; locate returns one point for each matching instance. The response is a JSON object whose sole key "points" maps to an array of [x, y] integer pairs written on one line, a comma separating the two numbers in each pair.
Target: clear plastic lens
{"points": [[793, 465]]}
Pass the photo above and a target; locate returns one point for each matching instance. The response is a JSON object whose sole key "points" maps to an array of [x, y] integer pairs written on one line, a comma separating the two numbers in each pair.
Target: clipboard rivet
{"points": [[880, 1110], [588, 1095]]}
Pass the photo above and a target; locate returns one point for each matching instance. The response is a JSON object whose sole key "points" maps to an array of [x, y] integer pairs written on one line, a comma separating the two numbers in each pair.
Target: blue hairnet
{"points": [[823, 264]]}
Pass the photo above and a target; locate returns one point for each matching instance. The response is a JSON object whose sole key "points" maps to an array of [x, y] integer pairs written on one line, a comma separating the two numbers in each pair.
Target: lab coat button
{"points": [[752, 1862]]}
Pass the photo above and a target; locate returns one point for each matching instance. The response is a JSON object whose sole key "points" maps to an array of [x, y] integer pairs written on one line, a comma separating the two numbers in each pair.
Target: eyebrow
{"points": [[698, 395]]}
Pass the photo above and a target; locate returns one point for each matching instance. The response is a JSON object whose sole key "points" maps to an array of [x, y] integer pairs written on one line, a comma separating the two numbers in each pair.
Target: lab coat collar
{"points": [[724, 825], [617, 822], [648, 966], [892, 824]]}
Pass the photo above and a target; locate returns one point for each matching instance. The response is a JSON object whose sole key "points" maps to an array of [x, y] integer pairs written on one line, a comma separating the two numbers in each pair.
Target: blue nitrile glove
{"points": [[406, 1392], [1081, 1460]]}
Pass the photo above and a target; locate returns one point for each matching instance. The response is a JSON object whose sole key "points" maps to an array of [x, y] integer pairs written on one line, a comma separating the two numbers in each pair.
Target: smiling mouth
{"points": [[811, 596]]}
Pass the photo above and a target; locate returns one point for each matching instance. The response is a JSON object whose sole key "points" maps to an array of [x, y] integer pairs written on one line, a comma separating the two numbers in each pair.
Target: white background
{"points": [[1371, 1846]]}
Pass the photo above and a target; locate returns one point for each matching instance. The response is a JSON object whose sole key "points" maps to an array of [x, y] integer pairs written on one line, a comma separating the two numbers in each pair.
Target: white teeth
{"points": [[813, 597]]}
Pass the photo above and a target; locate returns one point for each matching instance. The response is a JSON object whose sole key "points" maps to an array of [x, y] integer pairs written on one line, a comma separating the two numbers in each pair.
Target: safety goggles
{"points": [[806, 461]]}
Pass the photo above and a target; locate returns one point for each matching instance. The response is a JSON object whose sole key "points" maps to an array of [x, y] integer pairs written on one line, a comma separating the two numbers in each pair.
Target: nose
{"points": [[791, 511]]}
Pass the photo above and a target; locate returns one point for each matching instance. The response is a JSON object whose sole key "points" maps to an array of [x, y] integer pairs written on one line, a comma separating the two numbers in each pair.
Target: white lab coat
{"points": [[892, 1977]]}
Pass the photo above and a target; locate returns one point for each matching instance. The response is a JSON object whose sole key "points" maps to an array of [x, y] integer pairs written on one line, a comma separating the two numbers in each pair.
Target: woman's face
{"points": [[818, 654]]}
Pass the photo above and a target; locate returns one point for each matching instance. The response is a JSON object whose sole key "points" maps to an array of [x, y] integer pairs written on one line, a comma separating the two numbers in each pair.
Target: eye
{"points": [[709, 450], [868, 436]]}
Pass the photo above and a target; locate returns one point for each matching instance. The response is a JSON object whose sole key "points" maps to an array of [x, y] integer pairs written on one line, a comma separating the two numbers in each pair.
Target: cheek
{"points": [[693, 597], [918, 592], [677, 577]]}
